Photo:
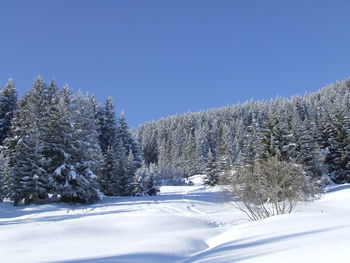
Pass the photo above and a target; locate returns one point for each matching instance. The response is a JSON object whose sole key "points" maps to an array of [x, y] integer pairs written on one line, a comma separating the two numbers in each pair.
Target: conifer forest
{"points": [[60, 146]]}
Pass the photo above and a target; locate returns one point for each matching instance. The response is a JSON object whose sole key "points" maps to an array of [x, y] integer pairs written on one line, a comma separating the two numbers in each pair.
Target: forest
{"points": [[60, 146], [312, 130], [56, 146]]}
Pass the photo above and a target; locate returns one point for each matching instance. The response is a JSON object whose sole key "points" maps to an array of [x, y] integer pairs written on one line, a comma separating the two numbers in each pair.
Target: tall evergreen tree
{"points": [[26, 136], [212, 173], [338, 151], [107, 125], [123, 175], [109, 179], [74, 180], [2, 177], [28, 179], [307, 150], [189, 158], [8, 105], [130, 144]]}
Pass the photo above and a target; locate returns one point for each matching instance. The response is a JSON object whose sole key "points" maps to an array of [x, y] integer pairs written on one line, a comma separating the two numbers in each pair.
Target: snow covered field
{"points": [[183, 224]]}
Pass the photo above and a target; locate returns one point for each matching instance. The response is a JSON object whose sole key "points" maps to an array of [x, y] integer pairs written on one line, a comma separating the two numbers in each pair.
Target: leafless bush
{"points": [[270, 188]]}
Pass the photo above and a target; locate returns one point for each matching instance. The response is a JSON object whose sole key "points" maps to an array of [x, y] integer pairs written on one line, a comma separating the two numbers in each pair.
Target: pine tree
{"points": [[251, 149], [121, 152], [212, 175], [123, 174], [8, 105], [307, 151], [117, 177], [28, 179], [109, 181], [2, 175], [86, 134], [73, 179], [88, 155], [189, 158], [144, 182], [202, 147], [338, 152], [148, 139], [107, 125], [26, 136], [130, 144], [275, 139], [165, 156]]}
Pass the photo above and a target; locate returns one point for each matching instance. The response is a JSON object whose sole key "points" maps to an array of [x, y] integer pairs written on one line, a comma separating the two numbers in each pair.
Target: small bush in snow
{"points": [[270, 187]]}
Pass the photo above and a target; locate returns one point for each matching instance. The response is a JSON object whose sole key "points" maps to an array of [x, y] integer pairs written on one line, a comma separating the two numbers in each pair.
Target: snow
{"points": [[183, 224], [197, 179]]}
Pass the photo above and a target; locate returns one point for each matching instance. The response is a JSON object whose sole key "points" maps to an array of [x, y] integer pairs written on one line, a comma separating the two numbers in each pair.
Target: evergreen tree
{"points": [[189, 158], [148, 140], [338, 152], [109, 180], [122, 154], [275, 139], [144, 182], [123, 174], [117, 175], [129, 143], [165, 156], [8, 105], [212, 175], [2, 177], [74, 179], [26, 136], [28, 179], [202, 148], [86, 134], [107, 125], [307, 151], [251, 149]]}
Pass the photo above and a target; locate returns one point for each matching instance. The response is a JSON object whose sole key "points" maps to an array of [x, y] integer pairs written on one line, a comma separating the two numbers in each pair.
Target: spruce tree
{"points": [[28, 178], [8, 105], [212, 174], [338, 151], [307, 151], [189, 157], [109, 180], [73, 179], [144, 182], [123, 175], [86, 133], [30, 181], [129, 143], [107, 125], [2, 175]]}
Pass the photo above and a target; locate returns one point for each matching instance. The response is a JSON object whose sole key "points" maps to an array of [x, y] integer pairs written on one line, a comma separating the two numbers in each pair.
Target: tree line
{"points": [[312, 130], [55, 145], [59, 146]]}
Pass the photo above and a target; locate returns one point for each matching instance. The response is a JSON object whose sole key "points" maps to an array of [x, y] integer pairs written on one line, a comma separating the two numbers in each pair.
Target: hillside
{"points": [[312, 130], [183, 224]]}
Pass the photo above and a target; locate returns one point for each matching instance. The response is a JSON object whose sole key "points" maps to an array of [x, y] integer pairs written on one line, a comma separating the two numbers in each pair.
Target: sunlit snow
{"points": [[183, 224]]}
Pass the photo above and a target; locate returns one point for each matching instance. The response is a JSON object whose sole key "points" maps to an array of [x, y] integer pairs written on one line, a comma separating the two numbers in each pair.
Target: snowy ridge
{"points": [[183, 224]]}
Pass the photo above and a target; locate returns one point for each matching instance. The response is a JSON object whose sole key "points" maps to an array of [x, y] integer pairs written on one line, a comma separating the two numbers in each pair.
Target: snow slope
{"points": [[183, 224], [318, 232]]}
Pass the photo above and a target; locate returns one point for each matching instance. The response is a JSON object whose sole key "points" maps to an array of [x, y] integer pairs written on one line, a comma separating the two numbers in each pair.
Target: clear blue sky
{"points": [[158, 58]]}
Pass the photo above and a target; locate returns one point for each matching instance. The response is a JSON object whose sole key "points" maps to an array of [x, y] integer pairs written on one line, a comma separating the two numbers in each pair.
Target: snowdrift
{"points": [[183, 224]]}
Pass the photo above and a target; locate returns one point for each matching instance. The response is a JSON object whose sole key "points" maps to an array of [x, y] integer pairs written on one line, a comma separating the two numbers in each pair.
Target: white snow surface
{"points": [[182, 224]]}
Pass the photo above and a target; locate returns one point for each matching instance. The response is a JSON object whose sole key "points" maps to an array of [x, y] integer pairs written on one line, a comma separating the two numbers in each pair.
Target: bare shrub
{"points": [[270, 187]]}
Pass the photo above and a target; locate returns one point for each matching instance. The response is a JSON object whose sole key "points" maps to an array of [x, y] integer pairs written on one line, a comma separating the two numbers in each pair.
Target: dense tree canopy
{"points": [[311, 130]]}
